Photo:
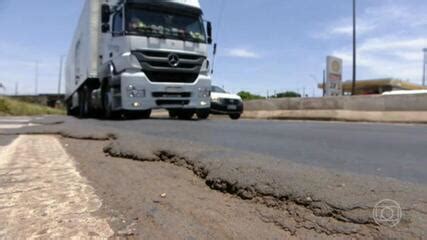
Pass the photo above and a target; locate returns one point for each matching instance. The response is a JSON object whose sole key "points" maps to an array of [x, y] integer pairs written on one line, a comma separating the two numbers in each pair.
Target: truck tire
{"points": [[87, 104], [235, 116], [173, 114], [107, 104], [69, 109], [185, 114], [203, 114], [144, 114], [138, 114], [82, 103]]}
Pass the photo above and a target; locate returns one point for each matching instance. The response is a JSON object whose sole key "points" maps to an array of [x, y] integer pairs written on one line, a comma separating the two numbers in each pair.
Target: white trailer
{"points": [[131, 56]]}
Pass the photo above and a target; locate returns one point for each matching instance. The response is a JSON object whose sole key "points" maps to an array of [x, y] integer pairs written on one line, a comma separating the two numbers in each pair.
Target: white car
{"points": [[226, 103]]}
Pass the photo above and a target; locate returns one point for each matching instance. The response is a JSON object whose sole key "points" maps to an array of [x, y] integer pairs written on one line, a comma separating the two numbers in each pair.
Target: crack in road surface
{"points": [[43, 196], [297, 196]]}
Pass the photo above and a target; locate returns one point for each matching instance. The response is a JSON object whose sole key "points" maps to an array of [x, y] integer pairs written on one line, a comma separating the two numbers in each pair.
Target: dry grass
{"points": [[10, 107]]}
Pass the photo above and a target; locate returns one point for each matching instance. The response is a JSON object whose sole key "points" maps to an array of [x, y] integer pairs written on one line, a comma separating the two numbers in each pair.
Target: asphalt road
{"points": [[397, 151], [307, 200]]}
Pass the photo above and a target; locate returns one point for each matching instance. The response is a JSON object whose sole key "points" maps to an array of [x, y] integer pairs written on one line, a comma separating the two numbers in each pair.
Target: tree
{"points": [[288, 94], [249, 96]]}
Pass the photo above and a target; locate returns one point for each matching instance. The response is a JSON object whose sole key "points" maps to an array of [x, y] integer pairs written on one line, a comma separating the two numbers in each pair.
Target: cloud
{"points": [[347, 29], [242, 53], [375, 18], [388, 57], [391, 37], [18, 66]]}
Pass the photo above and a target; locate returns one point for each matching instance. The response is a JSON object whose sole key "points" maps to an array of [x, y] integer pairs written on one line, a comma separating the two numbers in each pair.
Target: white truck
{"points": [[131, 56]]}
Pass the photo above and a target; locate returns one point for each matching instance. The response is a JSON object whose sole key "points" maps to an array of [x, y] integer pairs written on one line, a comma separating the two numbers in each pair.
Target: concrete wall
{"points": [[357, 103]]}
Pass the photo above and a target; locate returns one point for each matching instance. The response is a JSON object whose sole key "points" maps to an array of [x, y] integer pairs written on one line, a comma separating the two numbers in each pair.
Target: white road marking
{"points": [[42, 194], [11, 126], [16, 120], [13, 123]]}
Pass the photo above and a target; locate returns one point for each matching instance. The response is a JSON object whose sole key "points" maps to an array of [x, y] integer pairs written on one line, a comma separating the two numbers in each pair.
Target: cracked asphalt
{"points": [[397, 151], [133, 162]]}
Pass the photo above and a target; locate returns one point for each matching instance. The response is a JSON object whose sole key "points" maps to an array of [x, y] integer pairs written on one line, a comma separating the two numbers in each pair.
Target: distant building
{"points": [[378, 86]]}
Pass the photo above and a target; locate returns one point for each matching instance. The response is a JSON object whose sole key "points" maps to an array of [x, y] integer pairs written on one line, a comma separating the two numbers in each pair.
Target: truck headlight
{"points": [[204, 92], [133, 92], [205, 67]]}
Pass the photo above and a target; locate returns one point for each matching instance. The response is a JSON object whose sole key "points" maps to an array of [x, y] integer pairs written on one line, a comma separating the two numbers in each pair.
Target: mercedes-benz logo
{"points": [[173, 60]]}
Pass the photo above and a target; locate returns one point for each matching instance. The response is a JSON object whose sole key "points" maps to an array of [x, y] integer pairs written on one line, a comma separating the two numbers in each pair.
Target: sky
{"points": [[263, 45]]}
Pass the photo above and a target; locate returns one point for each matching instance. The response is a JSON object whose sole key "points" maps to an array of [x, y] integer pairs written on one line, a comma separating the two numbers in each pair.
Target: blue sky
{"points": [[264, 45]]}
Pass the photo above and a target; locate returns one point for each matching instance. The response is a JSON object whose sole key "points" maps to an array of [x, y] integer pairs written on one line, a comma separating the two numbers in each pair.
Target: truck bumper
{"points": [[138, 93]]}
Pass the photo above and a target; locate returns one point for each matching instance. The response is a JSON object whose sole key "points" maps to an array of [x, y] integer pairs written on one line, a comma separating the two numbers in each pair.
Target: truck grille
{"points": [[171, 94], [158, 67], [172, 102]]}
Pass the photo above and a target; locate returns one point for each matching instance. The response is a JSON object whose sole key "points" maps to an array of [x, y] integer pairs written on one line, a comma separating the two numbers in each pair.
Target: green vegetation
{"points": [[10, 107], [249, 96], [287, 95]]}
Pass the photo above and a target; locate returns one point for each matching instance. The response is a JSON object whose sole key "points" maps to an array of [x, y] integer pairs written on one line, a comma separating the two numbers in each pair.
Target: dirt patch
{"points": [[132, 193]]}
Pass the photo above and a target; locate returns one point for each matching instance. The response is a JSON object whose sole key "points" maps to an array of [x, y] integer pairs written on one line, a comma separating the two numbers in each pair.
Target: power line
{"points": [[36, 78], [353, 89], [424, 66], [61, 62]]}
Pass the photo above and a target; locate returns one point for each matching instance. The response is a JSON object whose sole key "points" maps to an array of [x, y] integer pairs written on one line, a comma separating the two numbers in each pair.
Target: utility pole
{"points": [[61, 62], [324, 82], [424, 66], [16, 89], [353, 89], [36, 78]]}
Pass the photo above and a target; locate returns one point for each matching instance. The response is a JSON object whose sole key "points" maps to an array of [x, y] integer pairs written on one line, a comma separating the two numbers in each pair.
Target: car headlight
{"points": [[204, 92], [216, 100]]}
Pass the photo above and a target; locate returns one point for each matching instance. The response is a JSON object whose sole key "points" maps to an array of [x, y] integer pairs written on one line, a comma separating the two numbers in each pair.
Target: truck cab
{"points": [[153, 54]]}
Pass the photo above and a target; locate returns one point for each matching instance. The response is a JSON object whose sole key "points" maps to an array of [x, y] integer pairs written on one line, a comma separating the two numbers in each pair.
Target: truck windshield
{"points": [[164, 24]]}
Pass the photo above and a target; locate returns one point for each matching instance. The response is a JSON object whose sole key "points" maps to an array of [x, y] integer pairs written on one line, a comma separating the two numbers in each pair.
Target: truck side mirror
{"points": [[105, 18], [105, 27], [105, 13], [209, 30]]}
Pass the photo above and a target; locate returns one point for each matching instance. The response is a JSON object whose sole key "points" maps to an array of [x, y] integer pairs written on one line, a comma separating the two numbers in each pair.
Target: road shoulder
{"points": [[43, 196]]}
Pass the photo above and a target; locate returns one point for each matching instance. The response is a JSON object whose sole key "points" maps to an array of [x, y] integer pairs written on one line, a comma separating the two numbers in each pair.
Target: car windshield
{"points": [[164, 24], [217, 89]]}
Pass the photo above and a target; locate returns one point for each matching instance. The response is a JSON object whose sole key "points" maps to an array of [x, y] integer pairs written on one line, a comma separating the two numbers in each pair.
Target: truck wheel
{"points": [[173, 114], [185, 114], [81, 107], [69, 110], [87, 104], [203, 114], [107, 104], [145, 114], [138, 114], [235, 116]]}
